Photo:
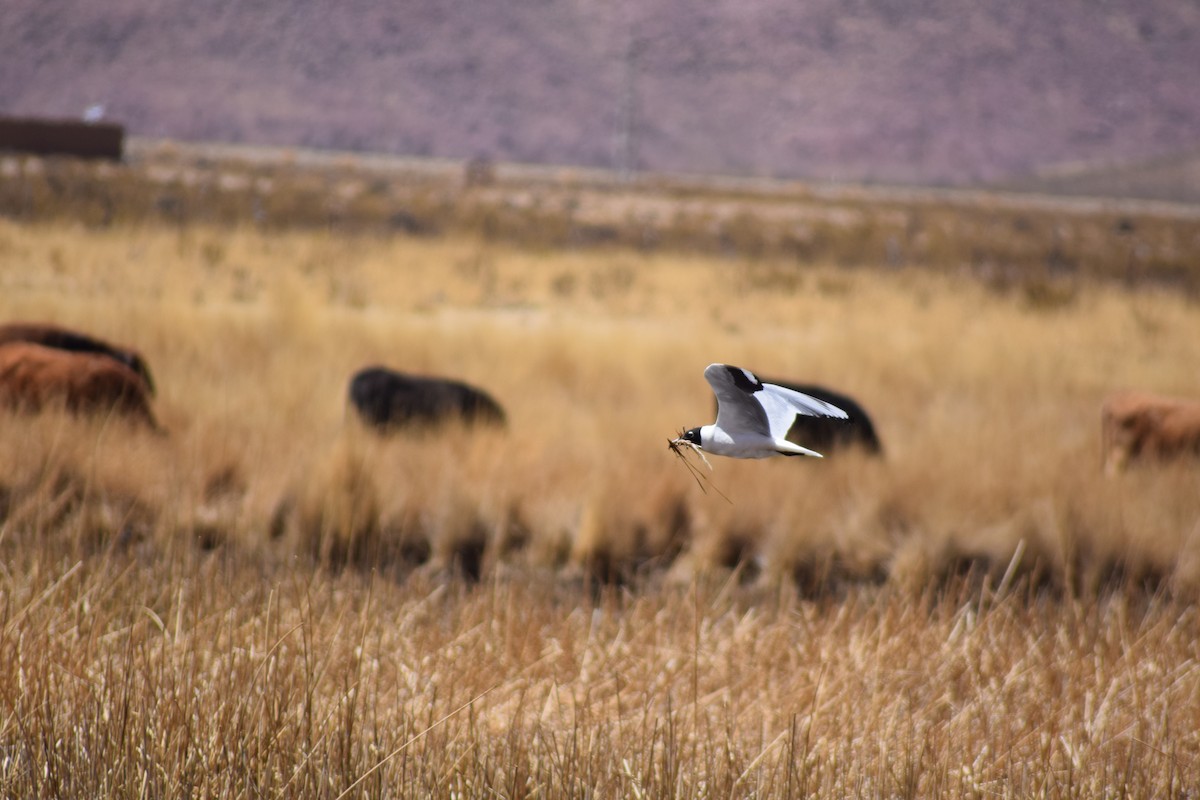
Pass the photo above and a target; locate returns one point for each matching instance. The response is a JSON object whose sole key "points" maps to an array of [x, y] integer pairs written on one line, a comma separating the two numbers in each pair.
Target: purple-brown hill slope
{"points": [[926, 91]]}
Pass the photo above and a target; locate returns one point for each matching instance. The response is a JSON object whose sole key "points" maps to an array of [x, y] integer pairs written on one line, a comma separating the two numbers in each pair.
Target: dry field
{"points": [[269, 601]]}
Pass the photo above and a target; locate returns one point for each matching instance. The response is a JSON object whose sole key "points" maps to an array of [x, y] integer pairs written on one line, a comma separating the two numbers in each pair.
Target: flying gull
{"points": [[753, 418]]}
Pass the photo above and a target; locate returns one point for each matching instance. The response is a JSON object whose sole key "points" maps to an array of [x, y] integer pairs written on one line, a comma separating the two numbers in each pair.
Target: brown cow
{"points": [[34, 377], [1142, 426], [61, 338]]}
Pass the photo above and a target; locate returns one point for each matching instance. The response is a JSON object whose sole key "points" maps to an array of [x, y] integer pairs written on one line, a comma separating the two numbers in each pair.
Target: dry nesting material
{"points": [[679, 446]]}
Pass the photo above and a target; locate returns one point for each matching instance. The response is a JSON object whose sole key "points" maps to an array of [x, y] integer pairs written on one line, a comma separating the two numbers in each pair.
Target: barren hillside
{"points": [[936, 91]]}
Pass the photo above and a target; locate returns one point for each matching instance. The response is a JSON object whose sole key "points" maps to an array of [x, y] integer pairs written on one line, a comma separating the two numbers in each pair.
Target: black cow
{"points": [[828, 434], [59, 338], [387, 400]]}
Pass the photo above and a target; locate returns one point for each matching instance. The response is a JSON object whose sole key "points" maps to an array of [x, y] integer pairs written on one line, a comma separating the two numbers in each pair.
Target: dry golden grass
{"points": [[987, 406], [134, 677], [265, 602]]}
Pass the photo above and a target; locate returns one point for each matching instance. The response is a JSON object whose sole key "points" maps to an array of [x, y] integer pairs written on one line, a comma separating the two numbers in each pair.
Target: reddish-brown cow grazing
{"points": [[61, 338], [34, 377], [1141, 426]]}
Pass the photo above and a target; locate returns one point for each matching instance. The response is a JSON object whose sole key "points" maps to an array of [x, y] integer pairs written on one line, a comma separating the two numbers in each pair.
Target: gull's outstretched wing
{"points": [[782, 405], [747, 405], [738, 409]]}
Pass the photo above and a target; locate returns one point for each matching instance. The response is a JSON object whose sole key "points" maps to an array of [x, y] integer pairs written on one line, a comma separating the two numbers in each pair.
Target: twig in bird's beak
{"points": [[677, 446]]}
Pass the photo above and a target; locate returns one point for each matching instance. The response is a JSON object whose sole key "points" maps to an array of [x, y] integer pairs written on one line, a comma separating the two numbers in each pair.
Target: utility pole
{"points": [[625, 147]]}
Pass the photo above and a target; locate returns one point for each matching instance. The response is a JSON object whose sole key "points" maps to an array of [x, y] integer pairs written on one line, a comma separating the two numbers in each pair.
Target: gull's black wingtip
{"points": [[743, 379]]}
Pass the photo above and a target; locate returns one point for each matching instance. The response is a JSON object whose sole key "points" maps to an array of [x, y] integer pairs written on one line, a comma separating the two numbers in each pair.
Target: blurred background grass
{"points": [[984, 373]]}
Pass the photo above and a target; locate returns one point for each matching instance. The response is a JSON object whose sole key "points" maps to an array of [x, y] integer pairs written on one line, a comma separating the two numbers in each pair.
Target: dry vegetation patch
{"points": [[271, 600], [170, 675]]}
